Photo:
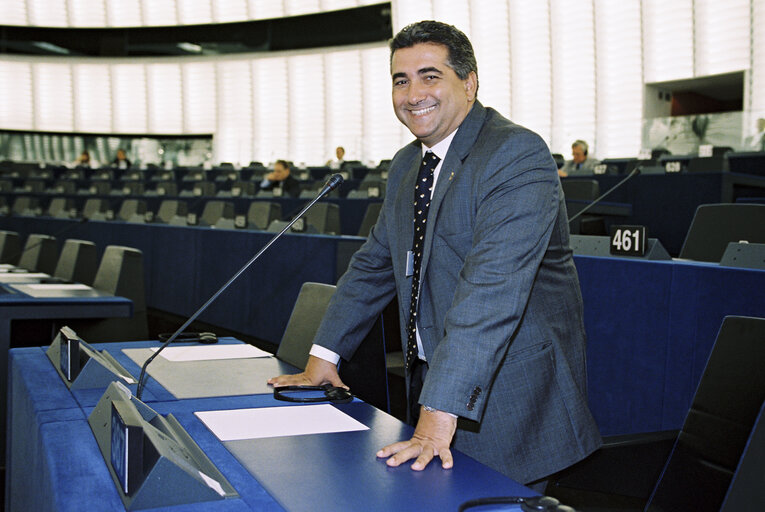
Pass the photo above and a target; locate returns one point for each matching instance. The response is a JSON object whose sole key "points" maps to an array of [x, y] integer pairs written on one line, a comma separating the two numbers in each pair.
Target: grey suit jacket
{"points": [[500, 309], [588, 166]]}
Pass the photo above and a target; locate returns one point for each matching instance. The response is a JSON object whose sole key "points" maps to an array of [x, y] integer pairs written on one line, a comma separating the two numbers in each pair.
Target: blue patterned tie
{"points": [[421, 205]]}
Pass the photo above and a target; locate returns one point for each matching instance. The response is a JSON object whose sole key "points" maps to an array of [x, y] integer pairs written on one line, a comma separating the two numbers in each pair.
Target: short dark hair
{"points": [[284, 163], [461, 55]]}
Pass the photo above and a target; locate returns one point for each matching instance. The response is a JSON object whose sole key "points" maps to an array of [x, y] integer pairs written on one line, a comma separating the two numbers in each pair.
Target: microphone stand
{"points": [[634, 172], [333, 182]]}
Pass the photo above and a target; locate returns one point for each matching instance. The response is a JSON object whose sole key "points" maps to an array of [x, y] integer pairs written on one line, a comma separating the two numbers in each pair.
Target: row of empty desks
{"points": [[54, 462]]}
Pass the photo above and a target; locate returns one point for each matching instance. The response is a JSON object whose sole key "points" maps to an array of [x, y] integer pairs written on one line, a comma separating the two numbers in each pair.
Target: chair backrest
{"points": [[584, 190], [261, 213], [309, 309], [169, 208], [24, 205], [715, 225], [167, 188], [370, 218], [59, 207], [216, 210], [77, 262], [131, 207], [93, 207], [714, 436], [121, 273], [10, 247], [40, 253], [325, 217], [559, 160]]}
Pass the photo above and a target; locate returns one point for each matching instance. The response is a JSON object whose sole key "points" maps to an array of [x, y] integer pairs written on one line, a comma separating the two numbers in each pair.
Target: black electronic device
{"points": [[303, 394], [151, 458], [81, 366], [201, 337], [332, 183], [528, 504]]}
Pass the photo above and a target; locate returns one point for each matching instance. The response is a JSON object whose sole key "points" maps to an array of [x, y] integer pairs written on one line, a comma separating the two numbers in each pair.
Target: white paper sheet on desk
{"points": [[211, 352], [10, 276], [52, 286], [298, 420]]}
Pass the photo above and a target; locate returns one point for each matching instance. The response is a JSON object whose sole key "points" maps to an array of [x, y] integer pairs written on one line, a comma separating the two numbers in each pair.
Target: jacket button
{"points": [[470, 406]]}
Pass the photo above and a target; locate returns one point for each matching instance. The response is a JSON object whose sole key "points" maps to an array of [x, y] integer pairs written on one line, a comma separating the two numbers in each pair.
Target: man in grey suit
{"points": [[580, 161], [480, 263]]}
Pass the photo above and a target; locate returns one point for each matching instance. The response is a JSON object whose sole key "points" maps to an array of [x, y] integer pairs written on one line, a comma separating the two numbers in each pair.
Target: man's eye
{"points": [[399, 82]]}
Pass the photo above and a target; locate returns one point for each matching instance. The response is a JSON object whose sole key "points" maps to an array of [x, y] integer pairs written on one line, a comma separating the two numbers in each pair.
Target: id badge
{"points": [[409, 263]]}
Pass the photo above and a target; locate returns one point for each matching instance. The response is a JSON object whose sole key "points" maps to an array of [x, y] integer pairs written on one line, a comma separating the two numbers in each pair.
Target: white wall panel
{"points": [[129, 98], [667, 40], [165, 100], [53, 97], [17, 111], [271, 118], [233, 142], [344, 104], [200, 108], [306, 106], [92, 98]]}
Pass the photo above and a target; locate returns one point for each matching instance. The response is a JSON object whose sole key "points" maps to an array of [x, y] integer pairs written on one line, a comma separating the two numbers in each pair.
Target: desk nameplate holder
{"points": [[81, 366], [156, 463]]}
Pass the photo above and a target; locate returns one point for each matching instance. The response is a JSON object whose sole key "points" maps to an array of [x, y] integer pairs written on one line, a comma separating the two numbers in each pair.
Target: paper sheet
{"points": [[238, 424], [9, 277], [53, 286], [211, 352]]}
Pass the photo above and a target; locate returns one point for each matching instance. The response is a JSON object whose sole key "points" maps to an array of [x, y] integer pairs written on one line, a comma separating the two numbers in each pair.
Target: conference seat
{"points": [[97, 188], [715, 225], [304, 321], [60, 207], [260, 214], [374, 187], [170, 208], [166, 188], [65, 187], [578, 189], [704, 469], [10, 247], [94, 209], [77, 262], [215, 211], [131, 208], [119, 273], [34, 185], [559, 160], [25, 205], [130, 188], [40, 254], [323, 217], [238, 189], [6, 185], [370, 218]]}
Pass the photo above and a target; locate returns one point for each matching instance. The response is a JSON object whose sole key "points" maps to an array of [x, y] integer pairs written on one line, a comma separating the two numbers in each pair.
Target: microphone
{"points": [[634, 172], [334, 181], [57, 234]]}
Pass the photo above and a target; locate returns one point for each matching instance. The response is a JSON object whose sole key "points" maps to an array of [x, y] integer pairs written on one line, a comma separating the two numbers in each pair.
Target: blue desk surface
{"points": [[54, 462]]}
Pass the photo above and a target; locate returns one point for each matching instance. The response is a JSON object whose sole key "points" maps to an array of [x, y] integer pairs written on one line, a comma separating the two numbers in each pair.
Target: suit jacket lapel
{"points": [[405, 206], [458, 150]]}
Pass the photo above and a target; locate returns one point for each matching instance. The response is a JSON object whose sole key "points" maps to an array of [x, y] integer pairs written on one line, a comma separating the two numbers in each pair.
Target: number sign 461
{"points": [[628, 240]]}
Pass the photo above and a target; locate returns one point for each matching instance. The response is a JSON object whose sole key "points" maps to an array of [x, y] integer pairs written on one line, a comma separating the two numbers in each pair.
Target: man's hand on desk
{"points": [[432, 437], [317, 372]]}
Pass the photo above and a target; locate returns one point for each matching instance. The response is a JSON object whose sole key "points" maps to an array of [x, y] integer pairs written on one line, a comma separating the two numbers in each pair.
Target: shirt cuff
{"points": [[324, 353]]}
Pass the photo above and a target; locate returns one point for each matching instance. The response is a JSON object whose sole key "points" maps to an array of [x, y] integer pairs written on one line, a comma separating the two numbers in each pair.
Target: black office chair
{"points": [[261, 213], [25, 205], [65, 187], [10, 247], [77, 262], [309, 309], [370, 218], [215, 211], [716, 225], [630, 471], [60, 207], [131, 208], [560, 160], [120, 273], [95, 209], [40, 254], [170, 208], [325, 217], [365, 373], [584, 190]]}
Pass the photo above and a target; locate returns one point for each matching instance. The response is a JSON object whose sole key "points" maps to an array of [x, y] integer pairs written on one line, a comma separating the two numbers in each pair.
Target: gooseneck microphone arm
{"points": [[334, 181], [634, 173]]}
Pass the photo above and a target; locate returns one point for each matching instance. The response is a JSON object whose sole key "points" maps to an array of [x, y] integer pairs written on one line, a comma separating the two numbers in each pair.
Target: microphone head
{"points": [[333, 182], [636, 170]]}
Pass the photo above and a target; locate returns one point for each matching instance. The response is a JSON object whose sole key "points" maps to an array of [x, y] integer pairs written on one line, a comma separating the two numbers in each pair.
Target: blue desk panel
{"points": [[56, 465]]}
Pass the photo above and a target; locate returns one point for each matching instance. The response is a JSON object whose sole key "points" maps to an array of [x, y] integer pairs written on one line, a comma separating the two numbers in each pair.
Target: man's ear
{"points": [[471, 85]]}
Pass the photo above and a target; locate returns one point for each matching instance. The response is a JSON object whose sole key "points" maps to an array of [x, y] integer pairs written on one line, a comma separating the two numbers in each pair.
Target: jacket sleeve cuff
{"points": [[324, 353]]}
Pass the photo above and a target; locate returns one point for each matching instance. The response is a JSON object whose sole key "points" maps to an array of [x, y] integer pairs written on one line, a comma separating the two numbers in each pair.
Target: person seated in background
{"points": [[580, 161], [340, 154], [84, 160], [121, 160], [281, 179]]}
